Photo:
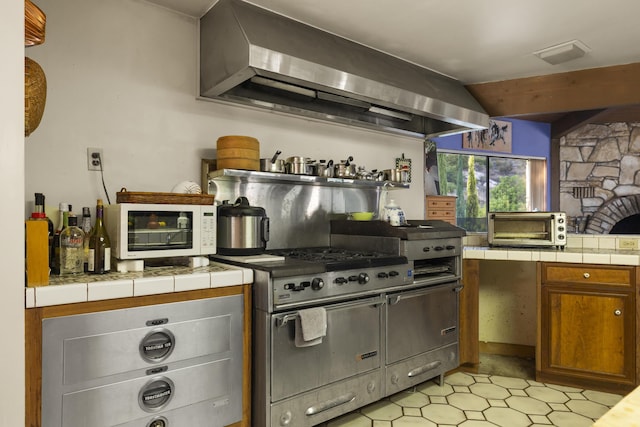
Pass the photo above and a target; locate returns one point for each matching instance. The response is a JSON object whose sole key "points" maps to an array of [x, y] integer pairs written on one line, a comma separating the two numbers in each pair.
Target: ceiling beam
{"points": [[572, 121], [590, 89]]}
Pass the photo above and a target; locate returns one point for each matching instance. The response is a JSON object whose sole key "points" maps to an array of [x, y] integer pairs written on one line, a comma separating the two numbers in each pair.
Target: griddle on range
{"points": [[336, 259]]}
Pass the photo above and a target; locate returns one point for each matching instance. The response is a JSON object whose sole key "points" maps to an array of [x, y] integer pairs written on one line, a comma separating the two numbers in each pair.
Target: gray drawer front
{"points": [[116, 403], [94, 361], [96, 356]]}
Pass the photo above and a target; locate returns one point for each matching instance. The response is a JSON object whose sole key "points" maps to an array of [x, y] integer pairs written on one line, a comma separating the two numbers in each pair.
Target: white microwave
{"points": [[139, 231]]}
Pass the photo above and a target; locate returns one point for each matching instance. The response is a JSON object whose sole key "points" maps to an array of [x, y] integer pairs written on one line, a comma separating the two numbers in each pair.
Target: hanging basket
{"points": [[34, 24], [35, 95]]}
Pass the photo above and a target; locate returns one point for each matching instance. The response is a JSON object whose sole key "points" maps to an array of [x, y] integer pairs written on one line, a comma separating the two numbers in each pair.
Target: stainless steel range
{"points": [[380, 329]]}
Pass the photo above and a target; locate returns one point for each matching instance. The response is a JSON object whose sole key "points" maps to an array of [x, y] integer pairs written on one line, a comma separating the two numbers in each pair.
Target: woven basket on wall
{"points": [[34, 24], [35, 95]]}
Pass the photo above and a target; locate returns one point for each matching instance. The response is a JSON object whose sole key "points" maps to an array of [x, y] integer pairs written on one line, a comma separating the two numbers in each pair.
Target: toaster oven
{"points": [[527, 229]]}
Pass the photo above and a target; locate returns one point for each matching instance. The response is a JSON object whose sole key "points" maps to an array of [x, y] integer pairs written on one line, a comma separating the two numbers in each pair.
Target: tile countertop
{"points": [[580, 249], [625, 413], [153, 280]]}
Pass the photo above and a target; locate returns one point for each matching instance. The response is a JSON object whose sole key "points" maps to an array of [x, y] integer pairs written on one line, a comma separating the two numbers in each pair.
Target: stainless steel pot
{"points": [[242, 229], [324, 169], [273, 164], [396, 175], [297, 165], [345, 169]]}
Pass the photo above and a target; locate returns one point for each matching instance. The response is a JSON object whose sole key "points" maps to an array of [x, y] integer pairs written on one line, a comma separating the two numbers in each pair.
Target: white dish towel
{"points": [[311, 326]]}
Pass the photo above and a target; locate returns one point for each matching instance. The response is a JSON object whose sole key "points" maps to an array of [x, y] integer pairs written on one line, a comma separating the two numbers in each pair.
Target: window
{"points": [[485, 184]]}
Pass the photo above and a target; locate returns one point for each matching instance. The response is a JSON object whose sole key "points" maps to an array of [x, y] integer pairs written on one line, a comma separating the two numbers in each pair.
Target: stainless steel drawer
{"points": [[95, 365]]}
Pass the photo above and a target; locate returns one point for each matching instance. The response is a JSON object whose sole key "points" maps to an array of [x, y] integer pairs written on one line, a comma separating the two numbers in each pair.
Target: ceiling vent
{"points": [[563, 52]]}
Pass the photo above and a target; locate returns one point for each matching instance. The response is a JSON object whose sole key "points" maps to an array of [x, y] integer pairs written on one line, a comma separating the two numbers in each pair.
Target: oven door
{"points": [[421, 320], [351, 347]]}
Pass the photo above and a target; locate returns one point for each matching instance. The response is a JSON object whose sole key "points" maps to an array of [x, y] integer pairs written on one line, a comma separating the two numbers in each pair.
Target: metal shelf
{"points": [[270, 177]]}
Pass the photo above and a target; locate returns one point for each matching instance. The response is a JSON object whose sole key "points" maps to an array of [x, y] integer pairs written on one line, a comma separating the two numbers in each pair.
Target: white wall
{"points": [[122, 76], [11, 213]]}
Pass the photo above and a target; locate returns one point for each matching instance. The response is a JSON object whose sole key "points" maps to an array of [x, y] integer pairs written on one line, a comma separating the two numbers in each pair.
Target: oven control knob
{"points": [[393, 273], [383, 275], [317, 284], [340, 280], [363, 278], [560, 228]]}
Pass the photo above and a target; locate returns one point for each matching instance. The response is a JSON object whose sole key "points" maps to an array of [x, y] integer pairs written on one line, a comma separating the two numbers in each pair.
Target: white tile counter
{"points": [[151, 281], [580, 249]]}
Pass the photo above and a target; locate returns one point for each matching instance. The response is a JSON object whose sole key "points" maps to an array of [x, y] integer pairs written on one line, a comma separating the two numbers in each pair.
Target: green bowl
{"points": [[362, 216]]}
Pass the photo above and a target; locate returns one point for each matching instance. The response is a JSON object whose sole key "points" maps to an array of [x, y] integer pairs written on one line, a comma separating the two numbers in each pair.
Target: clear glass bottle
{"points": [[86, 228], [63, 212], [99, 261], [71, 247]]}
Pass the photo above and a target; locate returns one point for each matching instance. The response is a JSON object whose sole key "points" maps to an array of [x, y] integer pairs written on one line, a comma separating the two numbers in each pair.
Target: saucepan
{"points": [[345, 169], [396, 175], [272, 164], [324, 169]]}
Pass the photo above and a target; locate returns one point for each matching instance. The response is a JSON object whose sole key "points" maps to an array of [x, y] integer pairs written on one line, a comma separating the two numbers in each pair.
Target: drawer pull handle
{"points": [[586, 275], [617, 312]]}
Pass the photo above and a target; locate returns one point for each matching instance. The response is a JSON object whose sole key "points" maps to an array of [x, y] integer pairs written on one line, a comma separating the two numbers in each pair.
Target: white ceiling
{"points": [[474, 41]]}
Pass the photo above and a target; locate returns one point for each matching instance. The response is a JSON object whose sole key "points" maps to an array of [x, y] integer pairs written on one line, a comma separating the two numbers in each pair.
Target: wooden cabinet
{"points": [[441, 207], [587, 326]]}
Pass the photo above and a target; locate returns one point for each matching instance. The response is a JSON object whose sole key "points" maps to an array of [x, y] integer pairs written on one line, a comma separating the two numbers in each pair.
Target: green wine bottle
{"points": [[99, 261]]}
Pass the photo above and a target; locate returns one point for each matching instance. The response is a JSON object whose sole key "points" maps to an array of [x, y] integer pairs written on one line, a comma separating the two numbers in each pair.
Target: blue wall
{"points": [[528, 139]]}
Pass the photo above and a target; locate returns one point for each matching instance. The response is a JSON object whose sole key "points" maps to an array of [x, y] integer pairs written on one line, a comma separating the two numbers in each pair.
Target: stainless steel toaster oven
{"points": [[527, 229]]}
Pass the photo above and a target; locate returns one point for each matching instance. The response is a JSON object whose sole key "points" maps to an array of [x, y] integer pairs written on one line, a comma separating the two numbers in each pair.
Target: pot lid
{"points": [[241, 207]]}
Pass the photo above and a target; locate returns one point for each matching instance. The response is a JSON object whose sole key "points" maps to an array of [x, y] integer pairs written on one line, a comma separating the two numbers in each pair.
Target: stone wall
{"points": [[599, 169]]}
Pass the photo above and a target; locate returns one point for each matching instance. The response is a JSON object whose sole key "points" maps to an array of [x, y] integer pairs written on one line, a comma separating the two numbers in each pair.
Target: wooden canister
{"points": [[238, 152]]}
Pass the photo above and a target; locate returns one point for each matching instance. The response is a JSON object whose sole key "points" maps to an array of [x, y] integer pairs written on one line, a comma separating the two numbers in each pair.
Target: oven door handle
{"points": [[332, 403], [281, 321], [458, 289], [394, 299]]}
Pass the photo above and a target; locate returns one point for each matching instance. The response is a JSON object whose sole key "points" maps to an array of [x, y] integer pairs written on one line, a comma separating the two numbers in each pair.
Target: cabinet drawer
{"points": [[436, 214], [588, 274], [441, 203]]}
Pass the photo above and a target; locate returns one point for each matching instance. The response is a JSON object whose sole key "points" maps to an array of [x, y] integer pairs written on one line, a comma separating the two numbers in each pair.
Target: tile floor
{"points": [[483, 400]]}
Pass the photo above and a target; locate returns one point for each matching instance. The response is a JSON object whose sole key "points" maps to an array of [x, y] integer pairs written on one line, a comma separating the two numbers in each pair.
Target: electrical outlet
{"points": [[94, 159], [628, 243]]}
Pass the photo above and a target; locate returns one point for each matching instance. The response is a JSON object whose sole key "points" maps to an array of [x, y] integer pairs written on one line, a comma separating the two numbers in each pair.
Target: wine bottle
{"points": [[86, 227], [99, 261], [71, 247]]}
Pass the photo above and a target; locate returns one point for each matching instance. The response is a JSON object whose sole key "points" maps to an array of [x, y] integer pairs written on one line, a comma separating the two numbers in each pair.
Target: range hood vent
{"points": [[252, 56]]}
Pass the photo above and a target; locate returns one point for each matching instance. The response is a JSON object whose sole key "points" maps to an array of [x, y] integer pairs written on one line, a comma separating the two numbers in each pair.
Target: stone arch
{"points": [[611, 212]]}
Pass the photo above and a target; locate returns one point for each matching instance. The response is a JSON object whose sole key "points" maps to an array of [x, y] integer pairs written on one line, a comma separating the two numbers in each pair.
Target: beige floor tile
{"points": [[540, 419], [378, 423], [459, 378], [489, 391], [353, 419], [517, 392], [468, 402], [460, 389], [477, 423], [474, 415], [547, 394], [383, 410], [608, 399], [569, 419], [432, 389], [507, 417], [528, 405], [443, 414], [408, 399], [411, 412], [413, 422], [587, 408], [438, 399], [508, 382], [498, 403]]}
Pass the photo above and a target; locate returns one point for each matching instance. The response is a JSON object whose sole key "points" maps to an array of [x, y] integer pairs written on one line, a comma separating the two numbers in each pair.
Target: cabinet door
{"points": [[588, 333]]}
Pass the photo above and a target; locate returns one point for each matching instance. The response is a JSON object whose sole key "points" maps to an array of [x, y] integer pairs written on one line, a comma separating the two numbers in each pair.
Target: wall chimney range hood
{"points": [[255, 57]]}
